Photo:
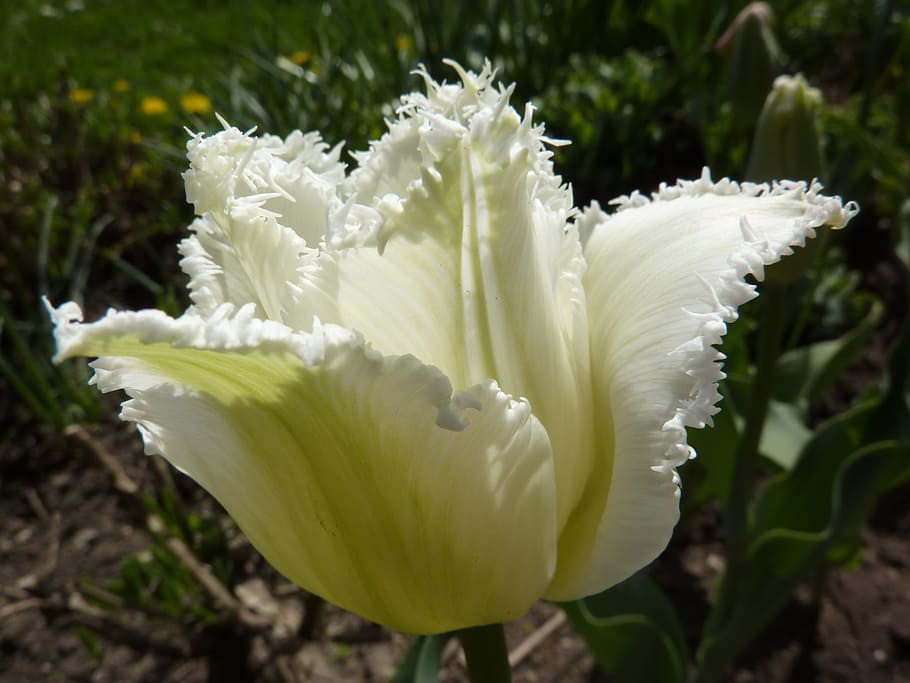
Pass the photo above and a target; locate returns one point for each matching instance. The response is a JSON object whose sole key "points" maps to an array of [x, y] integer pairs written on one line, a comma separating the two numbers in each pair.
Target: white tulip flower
{"points": [[429, 390]]}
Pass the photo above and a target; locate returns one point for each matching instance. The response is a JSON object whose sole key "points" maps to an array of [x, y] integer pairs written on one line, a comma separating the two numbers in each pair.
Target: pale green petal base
{"points": [[362, 478]]}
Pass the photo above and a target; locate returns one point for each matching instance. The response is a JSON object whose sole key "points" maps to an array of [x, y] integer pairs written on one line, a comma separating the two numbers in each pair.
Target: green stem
{"points": [[713, 661], [486, 653], [736, 518]]}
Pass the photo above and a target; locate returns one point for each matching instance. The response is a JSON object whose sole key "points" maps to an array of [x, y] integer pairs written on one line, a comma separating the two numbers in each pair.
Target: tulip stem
{"points": [[486, 654], [713, 662], [746, 465], [771, 327]]}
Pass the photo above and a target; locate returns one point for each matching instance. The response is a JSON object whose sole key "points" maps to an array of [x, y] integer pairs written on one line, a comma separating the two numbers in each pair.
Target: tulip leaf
{"points": [[892, 419], [801, 515], [422, 661], [784, 434], [633, 632], [805, 372], [716, 449]]}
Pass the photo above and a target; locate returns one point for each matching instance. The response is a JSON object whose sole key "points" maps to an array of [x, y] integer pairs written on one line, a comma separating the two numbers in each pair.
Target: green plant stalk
{"points": [[883, 10], [736, 517], [486, 654], [803, 316], [313, 609], [26, 376]]}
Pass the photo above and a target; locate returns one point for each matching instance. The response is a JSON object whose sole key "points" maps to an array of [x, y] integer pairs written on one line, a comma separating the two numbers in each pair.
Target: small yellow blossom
{"points": [[195, 103], [301, 57], [153, 106], [81, 95], [136, 172], [135, 137], [403, 42], [121, 85]]}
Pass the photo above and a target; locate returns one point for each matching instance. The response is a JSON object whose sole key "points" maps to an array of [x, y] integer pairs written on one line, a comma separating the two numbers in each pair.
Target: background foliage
{"points": [[94, 97]]}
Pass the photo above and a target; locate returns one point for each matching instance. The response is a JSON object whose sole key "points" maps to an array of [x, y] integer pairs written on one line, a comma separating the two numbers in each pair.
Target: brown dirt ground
{"points": [[64, 528]]}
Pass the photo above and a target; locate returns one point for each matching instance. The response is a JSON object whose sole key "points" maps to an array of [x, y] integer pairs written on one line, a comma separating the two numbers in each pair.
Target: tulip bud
{"points": [[755, 59], [787, 145]]}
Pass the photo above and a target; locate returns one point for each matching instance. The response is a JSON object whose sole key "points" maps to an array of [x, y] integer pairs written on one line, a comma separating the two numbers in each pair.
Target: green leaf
{"points": [[716, 449], [633, 632], [422, 661], [784, 434], [892, 418], [801, 499], [805, 372], [802, 515], [92, 643]]}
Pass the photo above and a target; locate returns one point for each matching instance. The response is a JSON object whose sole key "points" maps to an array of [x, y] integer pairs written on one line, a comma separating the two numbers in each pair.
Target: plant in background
{"points": [[755, 60], [344, 380], [68, 166], [786, 142], [825, 478]]}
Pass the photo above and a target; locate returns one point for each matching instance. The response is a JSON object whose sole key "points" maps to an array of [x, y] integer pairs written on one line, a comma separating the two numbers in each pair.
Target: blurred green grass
{"points": [[147, 43], [95, 95]]}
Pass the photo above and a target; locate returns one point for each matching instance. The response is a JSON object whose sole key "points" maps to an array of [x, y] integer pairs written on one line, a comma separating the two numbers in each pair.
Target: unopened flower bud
{"points": [[755, 59], [786, 145]]}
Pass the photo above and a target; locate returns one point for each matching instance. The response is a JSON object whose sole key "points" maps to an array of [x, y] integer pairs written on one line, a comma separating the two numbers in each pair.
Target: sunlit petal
{"points": [[263, 204], [664, 278], [475, 269], [293, 178], [361, 477]]}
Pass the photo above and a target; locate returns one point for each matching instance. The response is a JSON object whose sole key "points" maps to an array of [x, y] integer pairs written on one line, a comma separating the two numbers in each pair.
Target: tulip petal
{"points": [[293, 178], [664, 278], [264, 204], [361, 477], [475, 269], [242, 258]]}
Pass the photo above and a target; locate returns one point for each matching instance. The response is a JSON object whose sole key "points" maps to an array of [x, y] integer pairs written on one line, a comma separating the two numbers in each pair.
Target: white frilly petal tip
{"points": [[238, 330], [823, 210]]}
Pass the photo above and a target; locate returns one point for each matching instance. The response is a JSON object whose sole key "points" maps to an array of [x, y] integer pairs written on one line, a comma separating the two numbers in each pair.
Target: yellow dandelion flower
{"points": [[81, 95], [301, 57], [153, 106], [121, 85], [403, 42], [134, 174], [195, 103]]}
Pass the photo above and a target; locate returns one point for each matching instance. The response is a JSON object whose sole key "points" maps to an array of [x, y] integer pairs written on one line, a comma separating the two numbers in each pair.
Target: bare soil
{"points": [[65, 528], [71, 510]]}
